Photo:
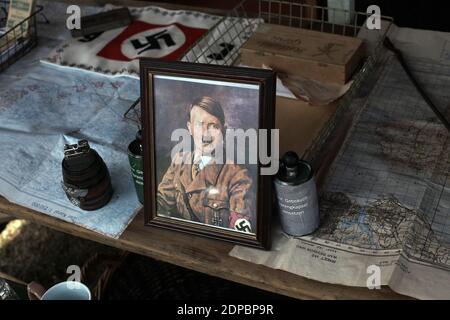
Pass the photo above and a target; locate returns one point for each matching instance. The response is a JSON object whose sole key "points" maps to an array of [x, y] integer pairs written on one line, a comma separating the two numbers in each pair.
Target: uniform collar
{"points": [[205, 178]]}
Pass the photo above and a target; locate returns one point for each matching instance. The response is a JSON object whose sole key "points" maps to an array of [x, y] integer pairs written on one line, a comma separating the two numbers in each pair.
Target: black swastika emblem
{"points": [[227, 47], [153, 41], [243, 225]]}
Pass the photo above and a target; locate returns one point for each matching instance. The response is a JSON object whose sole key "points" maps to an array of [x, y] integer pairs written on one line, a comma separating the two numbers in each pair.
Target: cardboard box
{"points": [[18, 11], [316, 55], [299, 123]]}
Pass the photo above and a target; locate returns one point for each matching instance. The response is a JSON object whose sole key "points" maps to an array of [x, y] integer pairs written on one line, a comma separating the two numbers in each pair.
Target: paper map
{"points": [[49, 108], [44, 107], [387, 197]]}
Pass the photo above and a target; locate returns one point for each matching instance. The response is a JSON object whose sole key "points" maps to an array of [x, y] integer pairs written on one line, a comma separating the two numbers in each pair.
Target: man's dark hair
{"points": [[209, 105]]}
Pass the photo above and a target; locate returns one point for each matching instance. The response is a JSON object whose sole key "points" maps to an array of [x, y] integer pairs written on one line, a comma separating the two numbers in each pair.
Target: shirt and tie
{"points": [[199, 162]]}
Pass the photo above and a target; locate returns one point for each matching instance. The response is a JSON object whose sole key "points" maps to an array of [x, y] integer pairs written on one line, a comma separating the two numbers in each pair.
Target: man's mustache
{"points": [[207, 139]]}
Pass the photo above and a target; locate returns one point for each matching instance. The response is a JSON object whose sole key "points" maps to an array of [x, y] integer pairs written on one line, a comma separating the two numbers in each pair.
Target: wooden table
{"points": [[4, 218], [203, 255]]}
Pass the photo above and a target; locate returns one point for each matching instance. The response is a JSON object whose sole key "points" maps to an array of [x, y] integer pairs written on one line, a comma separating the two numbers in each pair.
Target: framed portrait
{"points": [[204, 129]]}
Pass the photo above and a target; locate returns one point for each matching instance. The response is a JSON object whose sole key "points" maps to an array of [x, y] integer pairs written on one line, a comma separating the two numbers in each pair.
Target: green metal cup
{"points": [[137, 167]]}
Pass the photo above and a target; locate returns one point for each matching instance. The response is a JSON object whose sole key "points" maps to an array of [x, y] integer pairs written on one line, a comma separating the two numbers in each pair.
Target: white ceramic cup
{"points": [[68, 290]]}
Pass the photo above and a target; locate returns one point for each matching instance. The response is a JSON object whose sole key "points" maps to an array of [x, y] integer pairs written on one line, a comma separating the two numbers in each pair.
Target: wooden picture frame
{"points": [[239, 209]]}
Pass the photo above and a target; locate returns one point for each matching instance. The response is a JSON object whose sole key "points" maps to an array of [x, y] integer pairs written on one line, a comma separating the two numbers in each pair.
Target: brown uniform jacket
{"points": [[218, 195]]}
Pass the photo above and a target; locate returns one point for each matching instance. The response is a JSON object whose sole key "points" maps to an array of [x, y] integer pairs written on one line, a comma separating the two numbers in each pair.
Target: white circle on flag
{"points": [[154, 43]]}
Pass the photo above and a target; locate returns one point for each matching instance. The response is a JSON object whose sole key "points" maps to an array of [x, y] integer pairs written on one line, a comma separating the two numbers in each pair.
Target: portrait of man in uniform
{"points": [[210, 149], [199, 188]]}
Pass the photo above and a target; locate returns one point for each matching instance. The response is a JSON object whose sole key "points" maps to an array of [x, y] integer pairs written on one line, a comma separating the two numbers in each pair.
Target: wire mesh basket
{"points": [[18, 40], [240, 23], [222, 43]]}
